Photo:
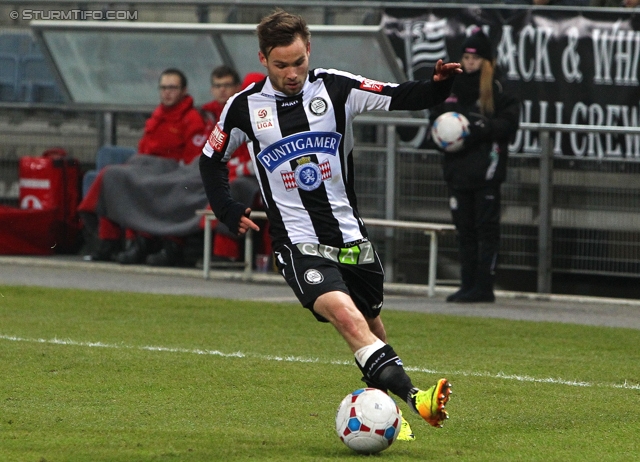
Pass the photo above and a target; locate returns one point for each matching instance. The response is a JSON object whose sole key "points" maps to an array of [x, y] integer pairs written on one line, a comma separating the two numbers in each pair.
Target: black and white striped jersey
{"points": [[301, 147]]}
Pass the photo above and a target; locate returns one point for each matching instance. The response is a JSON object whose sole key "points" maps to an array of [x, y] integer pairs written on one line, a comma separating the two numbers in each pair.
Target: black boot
{"points": [[467, 276], [169, 255], [135, 252], [106, 251], [477, 295], [457, 294], [482, 290]]}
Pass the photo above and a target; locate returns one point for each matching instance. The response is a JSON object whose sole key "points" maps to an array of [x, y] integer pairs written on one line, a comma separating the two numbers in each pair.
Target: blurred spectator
{"points": [[225, 82], [475, 173], [175, 132], [242, 181]]}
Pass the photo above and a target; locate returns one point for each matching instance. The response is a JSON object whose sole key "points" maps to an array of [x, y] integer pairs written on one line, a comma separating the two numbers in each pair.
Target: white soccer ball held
{"points": [[449, 131]]}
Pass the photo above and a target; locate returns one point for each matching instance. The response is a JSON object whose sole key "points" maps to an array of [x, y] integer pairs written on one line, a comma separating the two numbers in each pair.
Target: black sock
{"points": [[384, 370]]}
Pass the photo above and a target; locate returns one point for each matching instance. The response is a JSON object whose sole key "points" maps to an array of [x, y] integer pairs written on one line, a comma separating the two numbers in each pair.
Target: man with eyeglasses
{"points": [[175, 132], [175, 127], [225, 82]]}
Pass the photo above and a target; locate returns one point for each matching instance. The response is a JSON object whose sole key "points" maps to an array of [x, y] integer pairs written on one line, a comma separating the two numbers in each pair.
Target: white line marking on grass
{"points": [[301, 359]]}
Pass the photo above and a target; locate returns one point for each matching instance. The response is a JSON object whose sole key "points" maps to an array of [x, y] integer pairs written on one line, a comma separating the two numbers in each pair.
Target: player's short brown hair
{"points": [[281, 29]]}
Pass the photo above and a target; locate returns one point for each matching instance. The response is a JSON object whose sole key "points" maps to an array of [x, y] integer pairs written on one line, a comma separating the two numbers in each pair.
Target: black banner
{"points": [[567, 67]]}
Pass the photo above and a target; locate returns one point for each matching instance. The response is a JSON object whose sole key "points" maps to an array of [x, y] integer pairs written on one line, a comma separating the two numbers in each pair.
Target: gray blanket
{"points": [[159, 196]]}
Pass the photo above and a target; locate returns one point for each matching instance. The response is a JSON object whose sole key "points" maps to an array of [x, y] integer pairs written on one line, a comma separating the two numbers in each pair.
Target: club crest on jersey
{"points": [[217, 138], [299, 145], [318, 106], [371, 85], [307, 176], [263, 118]]}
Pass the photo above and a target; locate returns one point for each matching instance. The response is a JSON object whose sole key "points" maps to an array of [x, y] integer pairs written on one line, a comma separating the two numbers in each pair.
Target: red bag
{"points": [[27, 232], [52, 182]]}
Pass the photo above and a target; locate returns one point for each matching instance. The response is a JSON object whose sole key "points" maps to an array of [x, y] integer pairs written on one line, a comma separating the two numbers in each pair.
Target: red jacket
{"points": [[212, 112], [176, 132], [240, 162]]}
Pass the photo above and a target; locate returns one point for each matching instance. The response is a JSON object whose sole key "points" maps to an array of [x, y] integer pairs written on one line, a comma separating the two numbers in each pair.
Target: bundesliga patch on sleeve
{"points": [[371, 85], [217, 138]]}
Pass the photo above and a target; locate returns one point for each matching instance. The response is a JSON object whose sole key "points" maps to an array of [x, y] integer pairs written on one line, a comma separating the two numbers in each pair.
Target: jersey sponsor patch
{"points": [[307, 176], [372, 85], [263, 118], [217, 138], [298, 145], [359, 254]]}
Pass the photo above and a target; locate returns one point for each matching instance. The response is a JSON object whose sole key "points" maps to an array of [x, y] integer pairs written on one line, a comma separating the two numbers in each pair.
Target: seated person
{"points": [[225, 82], [174, 135], [243, 183]]}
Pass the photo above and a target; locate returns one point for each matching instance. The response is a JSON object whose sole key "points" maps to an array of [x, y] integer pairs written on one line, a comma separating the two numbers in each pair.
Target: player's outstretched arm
{"points": [[443, 71]]}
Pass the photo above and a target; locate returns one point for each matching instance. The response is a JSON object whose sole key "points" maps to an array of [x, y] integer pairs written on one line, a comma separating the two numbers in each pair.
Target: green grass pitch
{"points": [[102, 376]]}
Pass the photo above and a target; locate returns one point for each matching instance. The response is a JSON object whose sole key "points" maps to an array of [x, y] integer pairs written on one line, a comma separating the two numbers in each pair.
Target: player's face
{"points": [[471, 62], [288, 66], [171, 89]]}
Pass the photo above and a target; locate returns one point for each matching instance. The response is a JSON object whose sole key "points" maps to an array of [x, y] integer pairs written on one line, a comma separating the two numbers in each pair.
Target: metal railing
{"points": [[543, 219], [582, 218], [545, 244]]}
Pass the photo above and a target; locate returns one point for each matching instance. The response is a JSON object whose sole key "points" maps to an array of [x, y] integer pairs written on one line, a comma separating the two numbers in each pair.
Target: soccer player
{"points": [[298, 126]]}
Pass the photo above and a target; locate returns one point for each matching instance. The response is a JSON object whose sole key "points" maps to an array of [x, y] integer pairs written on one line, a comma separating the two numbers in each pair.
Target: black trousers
{"points": [[476, 216]]}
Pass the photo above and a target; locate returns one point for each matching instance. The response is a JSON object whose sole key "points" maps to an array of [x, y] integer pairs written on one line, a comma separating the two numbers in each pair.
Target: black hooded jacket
{"points": [[483, 158]]}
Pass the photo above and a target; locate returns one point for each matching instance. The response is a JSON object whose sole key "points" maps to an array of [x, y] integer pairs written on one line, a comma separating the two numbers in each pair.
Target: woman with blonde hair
{"points": [[474, 173]]}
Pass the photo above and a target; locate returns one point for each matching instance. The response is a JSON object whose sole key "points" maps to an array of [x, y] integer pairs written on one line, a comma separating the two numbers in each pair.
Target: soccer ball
{"points": [[368, 421], [449, 130]]}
